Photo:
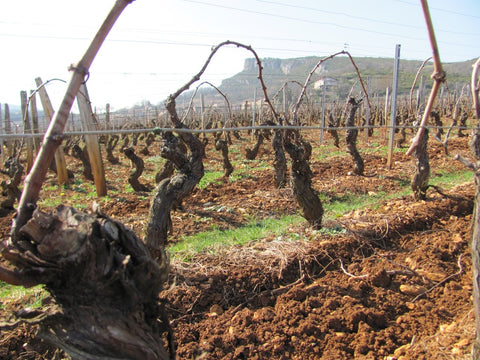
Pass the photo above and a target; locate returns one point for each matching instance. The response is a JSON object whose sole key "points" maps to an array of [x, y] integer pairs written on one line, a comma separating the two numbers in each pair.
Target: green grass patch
{"points": [[31, 297], [448, 179], [211, 241], [210, 177], [334, 206], [381, 150]]}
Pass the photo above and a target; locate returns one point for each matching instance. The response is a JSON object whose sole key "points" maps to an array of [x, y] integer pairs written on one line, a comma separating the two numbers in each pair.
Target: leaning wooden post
{"points": [[54, 135], [61, 165], [93, 145], [27, 129]]}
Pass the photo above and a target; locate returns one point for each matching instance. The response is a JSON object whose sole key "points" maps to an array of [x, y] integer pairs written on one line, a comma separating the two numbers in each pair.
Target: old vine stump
{"points": [[222, 145], [104, 282], [139, 164], [351, 139], [301, 178], [421, 173]]}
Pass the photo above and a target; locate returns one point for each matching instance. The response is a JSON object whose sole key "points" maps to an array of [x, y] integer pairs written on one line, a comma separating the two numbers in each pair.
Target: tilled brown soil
{"points": [[392, 281], [399, 286]]}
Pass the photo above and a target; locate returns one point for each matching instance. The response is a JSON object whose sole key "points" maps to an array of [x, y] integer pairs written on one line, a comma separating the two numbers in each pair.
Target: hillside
{"points": [[276, 72]]}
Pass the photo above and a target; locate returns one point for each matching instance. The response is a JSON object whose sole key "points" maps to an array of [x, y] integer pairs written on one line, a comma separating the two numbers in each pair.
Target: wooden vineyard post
{"points": [[93, 145], [475, 242], [254, 111], [420, 94], [2, 132], [475, 245], [107, 116], [34, 114], [322, 121], [202, 112], [394, 109], [8, 130], [367, 111], [384, 124], [27, 129], [62, 175]]}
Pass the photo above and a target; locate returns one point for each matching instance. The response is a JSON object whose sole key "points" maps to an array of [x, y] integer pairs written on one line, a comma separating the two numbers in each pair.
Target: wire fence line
{"points": [[227, 129]]}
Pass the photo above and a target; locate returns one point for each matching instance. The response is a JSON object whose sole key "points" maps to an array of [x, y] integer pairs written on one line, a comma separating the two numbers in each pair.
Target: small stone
{"points": [[412, 290], [216, 310]]}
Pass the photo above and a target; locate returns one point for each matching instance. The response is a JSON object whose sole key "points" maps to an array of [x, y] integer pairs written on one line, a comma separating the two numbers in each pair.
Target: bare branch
{"points": [[351, 275], [307, 81], [415, 81], [460, 270], [209, 59], [53, 136], [476, 89], [190, 105], [229, 107], [438, 76], [465, 162]]}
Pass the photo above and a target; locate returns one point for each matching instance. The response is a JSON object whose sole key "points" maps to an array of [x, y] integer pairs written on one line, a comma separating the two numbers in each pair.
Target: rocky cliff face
{"points": [[278, 71], [285, 66]]}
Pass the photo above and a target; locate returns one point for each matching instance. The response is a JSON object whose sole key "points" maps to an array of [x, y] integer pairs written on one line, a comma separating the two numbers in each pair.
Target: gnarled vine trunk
{"points": [[172, 142], [139, 164], [170, 191], [105, 281], [222, 145], [438, 123], [10, 188], [301, 179], [111, 144], [148, 141], [463, 124], [351, 139], [82, 155], [421, 173], [332, 125], [251, 154]]}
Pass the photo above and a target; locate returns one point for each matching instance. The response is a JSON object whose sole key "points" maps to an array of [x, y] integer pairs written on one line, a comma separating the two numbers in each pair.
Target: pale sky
{"points": [[157, 46]]}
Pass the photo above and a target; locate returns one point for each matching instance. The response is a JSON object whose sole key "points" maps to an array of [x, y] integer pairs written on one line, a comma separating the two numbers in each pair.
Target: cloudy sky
{"points": [[156, 46]]}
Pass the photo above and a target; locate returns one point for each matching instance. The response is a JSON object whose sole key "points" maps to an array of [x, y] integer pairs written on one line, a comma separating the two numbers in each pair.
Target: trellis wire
{"points": [[240, 128]]}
